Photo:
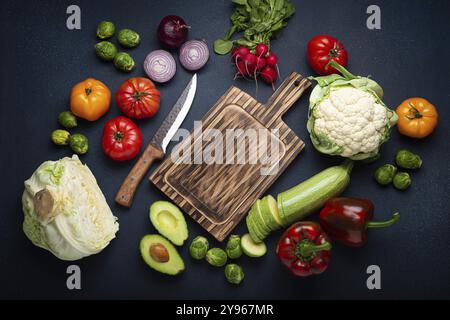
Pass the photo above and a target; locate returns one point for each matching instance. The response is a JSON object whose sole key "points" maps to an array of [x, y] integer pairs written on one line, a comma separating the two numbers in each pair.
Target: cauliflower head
{"points": [[348, 118]]}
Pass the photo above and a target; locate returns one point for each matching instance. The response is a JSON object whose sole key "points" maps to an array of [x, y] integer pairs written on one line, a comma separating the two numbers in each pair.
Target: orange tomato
{"points": [[90, 99], [417, 118]]}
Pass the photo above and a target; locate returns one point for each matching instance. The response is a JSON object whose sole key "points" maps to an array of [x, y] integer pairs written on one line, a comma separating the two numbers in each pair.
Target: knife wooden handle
{"points": [[126, 192]]}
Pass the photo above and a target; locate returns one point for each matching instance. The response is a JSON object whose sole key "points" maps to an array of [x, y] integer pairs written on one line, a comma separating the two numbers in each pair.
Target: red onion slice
{"points": [[194, 54], [160, 66]]}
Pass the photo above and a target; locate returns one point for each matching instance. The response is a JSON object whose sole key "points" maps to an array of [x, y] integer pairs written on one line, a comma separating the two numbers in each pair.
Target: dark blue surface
{"points": [[42, 60]]}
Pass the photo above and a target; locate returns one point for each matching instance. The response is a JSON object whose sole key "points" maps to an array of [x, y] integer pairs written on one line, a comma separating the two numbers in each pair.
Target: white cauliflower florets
{"points": [[352, 119]]}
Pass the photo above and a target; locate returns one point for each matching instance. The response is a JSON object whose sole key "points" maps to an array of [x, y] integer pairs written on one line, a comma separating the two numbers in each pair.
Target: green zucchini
{"points": [[251, 248], [310, 195], [260, 231], [269, 212], [257, 237], [259, 219]]}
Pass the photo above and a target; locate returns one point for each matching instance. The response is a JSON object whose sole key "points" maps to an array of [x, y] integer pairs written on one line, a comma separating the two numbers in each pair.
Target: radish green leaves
{"points": [[260, 20]]}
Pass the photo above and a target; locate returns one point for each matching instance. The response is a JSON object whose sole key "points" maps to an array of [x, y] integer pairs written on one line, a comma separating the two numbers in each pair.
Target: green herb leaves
{"points": [[260, 20], [223, 46]]}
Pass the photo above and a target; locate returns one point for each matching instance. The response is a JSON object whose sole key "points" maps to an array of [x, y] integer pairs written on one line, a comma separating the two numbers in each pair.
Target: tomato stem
{"points": [[334, 53], [118, 136], [88, 91], [416, 112], [138, 95]]}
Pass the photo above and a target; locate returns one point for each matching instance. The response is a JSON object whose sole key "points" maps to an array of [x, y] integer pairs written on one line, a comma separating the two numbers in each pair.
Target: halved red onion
{"points": [[194, 54], [160, 66]]}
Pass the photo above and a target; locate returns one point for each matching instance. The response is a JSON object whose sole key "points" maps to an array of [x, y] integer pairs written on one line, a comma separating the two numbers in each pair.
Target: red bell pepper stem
{"points": [[383, 224], [305, 249]]}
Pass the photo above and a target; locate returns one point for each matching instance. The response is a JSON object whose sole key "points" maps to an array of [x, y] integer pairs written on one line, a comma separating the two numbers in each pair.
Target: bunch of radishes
{"points": [[260, 62]]}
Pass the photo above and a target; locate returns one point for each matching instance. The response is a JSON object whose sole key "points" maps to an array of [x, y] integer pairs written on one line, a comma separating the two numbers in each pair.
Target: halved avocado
{"points": [[161, 255], [269, 212], [169, 221]]}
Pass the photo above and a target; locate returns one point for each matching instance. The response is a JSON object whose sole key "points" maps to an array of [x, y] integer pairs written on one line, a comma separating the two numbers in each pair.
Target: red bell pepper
{"points": [[347, 220], [305, 249]]}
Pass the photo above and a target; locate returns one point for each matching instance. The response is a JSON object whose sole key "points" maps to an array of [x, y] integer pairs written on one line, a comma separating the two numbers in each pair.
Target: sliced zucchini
{"points": [[251, 248], [257, 217], [256, 236], [269, 212]]}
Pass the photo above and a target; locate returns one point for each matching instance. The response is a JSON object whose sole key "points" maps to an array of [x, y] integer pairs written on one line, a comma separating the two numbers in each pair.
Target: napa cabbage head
{"points": [[65, 212], [347, 116]]}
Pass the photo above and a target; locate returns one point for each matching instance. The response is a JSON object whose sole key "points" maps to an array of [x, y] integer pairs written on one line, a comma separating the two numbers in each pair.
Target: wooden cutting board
{"points": [[218, 195]]}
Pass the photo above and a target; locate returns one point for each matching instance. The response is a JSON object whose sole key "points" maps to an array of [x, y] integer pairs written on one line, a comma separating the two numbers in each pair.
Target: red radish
{"points": [[261, 50], [269, 74], [241, 68], [234, 53], [272, 59], [242, 52], [260, 63], [250, 61]]}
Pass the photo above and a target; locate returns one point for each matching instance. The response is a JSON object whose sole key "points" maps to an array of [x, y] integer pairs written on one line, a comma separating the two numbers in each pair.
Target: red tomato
{"points": [[138, 98], [321, 50], [122, 139]]}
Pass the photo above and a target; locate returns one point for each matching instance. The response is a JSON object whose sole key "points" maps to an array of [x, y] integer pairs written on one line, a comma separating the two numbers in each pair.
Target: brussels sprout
{"points": [[408, 160], [67, 119], [106, 50], [402, 180], [198, 248], [233, 248], [234, 273], [60, 137], [385, 174], [79, 143], [216, 257], [128, 38], [124, 62], [105, 30]]}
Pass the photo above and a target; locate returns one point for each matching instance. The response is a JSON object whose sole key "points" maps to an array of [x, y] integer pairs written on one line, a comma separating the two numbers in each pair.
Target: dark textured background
{"points": [[42, 60]]}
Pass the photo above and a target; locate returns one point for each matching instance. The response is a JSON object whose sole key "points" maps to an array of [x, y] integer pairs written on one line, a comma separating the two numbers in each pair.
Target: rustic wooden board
{"points": [[218, 196]]}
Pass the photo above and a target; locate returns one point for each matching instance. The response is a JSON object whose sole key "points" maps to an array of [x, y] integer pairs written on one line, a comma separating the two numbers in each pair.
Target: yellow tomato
{"points": [[417, 118], [90, 99]]}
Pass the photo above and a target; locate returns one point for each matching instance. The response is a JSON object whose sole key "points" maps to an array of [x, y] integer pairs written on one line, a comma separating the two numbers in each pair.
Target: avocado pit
{"points": [[159, 252]]}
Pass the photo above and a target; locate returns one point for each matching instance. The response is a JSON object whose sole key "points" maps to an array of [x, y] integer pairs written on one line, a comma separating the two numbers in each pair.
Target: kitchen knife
{"points": [[157, 147]]}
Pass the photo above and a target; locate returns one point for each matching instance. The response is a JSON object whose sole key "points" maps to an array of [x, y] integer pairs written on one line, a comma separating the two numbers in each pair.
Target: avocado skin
{"points": [[174, 266], [169, 221]]}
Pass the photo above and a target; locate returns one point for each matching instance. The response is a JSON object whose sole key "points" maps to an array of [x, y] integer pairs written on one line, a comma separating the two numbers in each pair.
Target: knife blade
{"points": [[158, 144]]}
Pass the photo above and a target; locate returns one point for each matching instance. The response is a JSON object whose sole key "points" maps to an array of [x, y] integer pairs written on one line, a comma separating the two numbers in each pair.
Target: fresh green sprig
{"points": [[260, 20]]}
